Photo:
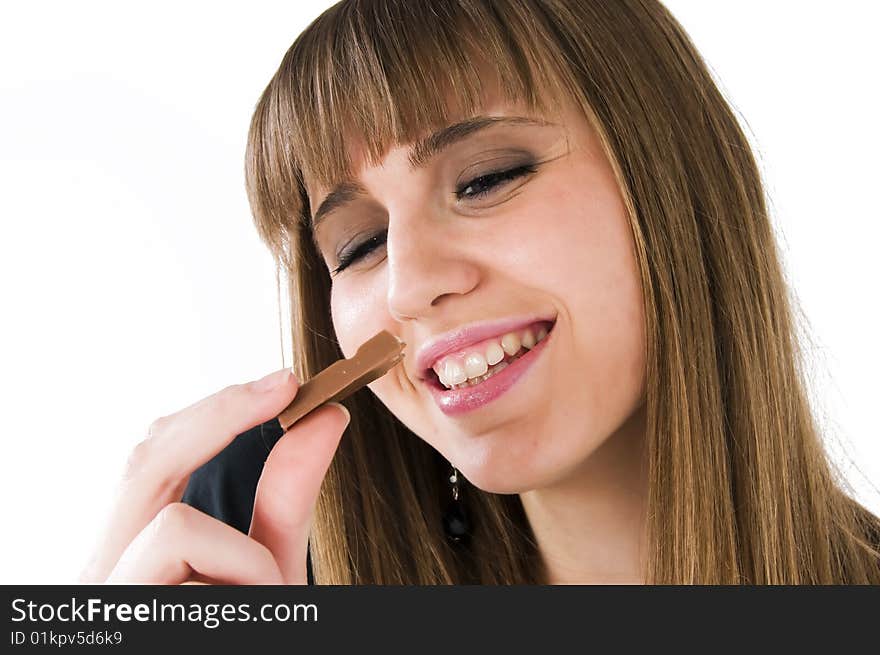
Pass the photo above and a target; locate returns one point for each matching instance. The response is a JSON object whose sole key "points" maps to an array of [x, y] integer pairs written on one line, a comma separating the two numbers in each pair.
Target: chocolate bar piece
{"points": [[343, 377]]}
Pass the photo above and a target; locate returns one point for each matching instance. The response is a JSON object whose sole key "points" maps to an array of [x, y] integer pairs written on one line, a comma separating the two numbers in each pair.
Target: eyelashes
{"points": [[490, 181], [346, 259], [476, 189]]}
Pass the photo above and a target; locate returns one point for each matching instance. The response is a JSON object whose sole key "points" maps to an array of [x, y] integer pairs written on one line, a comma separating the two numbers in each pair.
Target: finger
{"points": [[288, 487], [159, 467], [182, 543], [199, 579]]}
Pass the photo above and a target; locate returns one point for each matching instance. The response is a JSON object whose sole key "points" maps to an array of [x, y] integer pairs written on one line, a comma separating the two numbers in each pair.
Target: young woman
{"points": [[554, 207]]}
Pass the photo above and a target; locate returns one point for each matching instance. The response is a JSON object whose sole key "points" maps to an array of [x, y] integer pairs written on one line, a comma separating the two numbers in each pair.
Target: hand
{"points": [[151, 537]]}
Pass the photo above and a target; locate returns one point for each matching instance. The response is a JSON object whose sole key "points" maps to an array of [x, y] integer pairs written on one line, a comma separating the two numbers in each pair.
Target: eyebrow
{"points": [[419, 155]]}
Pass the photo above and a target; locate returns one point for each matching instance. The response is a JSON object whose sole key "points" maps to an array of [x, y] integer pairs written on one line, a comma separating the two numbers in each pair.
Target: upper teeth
{"points": [[461, 367]]}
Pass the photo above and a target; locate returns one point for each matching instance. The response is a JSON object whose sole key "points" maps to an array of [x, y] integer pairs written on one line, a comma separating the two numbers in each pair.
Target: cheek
{"points": [[356, 311], [612, 332], [593, 273]]}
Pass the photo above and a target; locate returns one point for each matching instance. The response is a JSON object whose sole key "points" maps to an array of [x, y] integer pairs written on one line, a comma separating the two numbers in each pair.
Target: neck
{"points": [[590, 525]]}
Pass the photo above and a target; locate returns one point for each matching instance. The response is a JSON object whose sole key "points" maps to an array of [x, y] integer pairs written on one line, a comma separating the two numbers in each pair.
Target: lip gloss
{"points": [[455, 402]]}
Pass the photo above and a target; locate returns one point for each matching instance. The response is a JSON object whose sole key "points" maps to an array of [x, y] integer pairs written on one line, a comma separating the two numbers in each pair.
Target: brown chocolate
{"points": [[343, 377]]}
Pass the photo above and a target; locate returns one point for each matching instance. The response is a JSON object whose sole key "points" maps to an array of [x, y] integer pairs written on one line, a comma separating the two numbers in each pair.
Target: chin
{"points": [[517, 466], [499, 478]]}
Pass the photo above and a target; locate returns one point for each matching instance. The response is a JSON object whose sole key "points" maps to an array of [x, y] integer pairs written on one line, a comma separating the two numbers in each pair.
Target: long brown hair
{"points": [[741, 489]]}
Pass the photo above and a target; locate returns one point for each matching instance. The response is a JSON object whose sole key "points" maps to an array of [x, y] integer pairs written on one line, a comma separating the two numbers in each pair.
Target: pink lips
{"points": [[454, 402], [451, 342]]}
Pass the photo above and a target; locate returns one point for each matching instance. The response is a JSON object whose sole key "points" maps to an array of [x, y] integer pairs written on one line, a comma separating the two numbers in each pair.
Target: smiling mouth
{"points": [[433, 379]]}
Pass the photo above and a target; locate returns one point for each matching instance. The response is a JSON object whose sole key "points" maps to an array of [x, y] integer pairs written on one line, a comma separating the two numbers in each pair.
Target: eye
{"points": [[348, 257], [484, 185]]}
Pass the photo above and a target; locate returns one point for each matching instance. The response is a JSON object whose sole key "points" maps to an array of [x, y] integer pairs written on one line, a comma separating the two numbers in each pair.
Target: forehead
{"points": [[430, 143], [492, 100]]}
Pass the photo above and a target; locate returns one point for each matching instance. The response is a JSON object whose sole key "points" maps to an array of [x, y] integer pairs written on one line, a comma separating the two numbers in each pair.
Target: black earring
{"points": [[455, 522]]}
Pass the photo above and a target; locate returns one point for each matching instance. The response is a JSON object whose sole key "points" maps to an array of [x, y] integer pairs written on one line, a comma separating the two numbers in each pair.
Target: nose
{"points": [[427, 266]]}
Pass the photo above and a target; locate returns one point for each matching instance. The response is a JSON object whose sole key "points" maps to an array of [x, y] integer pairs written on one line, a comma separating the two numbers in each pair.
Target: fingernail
{"points": [[344, 409], [272, 381]]}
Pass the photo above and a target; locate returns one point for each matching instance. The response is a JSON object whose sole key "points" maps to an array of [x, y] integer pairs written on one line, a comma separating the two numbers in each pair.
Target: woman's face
{"points": [[442, 252]]}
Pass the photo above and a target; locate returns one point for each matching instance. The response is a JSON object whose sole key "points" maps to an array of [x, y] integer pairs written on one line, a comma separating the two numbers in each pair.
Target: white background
{"points": [[133, 281]]}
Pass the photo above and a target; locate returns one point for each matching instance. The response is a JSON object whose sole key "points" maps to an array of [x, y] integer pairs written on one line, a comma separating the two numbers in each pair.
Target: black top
{"points": [[225, 485]]}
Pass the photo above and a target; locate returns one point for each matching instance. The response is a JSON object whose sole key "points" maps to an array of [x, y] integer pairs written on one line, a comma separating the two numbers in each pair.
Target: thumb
{"points": [[289, 485]]}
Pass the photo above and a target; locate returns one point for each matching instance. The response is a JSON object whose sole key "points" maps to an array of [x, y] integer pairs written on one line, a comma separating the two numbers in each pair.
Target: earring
{"points": [[455, 522]]}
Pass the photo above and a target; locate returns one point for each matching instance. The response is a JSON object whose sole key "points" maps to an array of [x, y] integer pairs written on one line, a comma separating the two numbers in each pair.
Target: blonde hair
{"points": [[741, 489]]}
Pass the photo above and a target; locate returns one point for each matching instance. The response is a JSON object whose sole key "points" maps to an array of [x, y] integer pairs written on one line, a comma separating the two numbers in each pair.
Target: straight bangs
{"points": [[371, 75]]}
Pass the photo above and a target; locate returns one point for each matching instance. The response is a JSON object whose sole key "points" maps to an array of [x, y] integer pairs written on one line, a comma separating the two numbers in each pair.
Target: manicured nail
{"points": [[273, 380]]}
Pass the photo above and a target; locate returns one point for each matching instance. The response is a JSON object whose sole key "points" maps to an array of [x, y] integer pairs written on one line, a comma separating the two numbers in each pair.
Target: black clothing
{"points": [[225, 485]]}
